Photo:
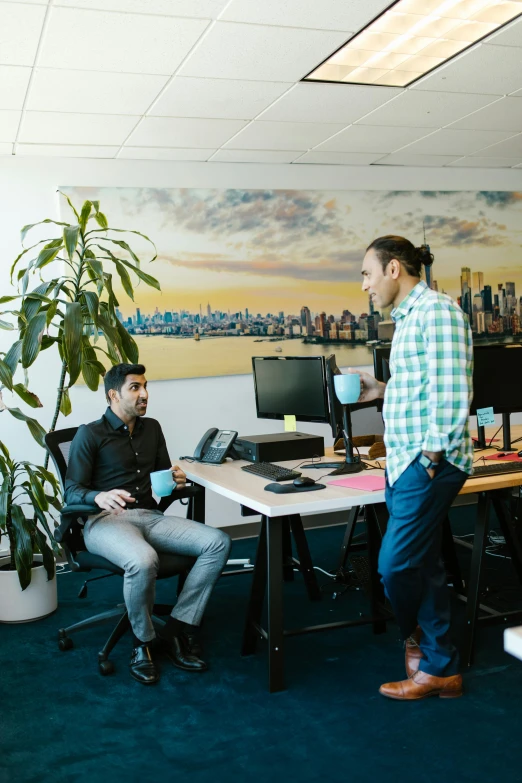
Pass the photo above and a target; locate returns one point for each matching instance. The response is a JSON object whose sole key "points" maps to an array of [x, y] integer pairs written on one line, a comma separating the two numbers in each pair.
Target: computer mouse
{"points": [[519, 453], [304, 481]]}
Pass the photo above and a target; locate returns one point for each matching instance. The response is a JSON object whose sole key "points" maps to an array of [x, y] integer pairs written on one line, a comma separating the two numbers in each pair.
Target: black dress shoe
{"points": [[192, 644], [142, 667], [181, 654]]}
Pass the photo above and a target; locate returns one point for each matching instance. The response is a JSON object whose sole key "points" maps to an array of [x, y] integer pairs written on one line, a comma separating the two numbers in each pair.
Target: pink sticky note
{"points": [[369, 483]]}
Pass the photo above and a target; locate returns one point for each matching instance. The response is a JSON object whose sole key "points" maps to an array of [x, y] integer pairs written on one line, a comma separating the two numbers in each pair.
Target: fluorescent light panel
{"points": [[413, 37]]}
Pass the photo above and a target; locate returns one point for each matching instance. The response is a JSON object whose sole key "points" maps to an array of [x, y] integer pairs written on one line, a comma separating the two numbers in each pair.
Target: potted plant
{"points": [[27, 574]]}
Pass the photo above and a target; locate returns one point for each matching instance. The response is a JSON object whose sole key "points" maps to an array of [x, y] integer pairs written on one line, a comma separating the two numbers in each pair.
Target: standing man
{"points": [[110, 465], [429, 455]]}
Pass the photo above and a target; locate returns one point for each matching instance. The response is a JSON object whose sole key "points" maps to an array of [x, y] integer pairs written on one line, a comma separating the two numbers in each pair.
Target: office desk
{"points": [[230, 481]]}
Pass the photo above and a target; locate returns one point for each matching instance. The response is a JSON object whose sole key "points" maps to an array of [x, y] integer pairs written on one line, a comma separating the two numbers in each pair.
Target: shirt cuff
{"points": [[435, 441], [90, 496]]}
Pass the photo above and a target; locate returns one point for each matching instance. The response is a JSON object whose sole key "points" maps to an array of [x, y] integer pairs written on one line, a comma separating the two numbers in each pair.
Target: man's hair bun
{"points": [[424, 255]]}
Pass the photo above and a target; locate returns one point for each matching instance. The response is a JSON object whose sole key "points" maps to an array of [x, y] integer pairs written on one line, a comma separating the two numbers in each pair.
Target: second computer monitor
{"points": [[291, 385]]}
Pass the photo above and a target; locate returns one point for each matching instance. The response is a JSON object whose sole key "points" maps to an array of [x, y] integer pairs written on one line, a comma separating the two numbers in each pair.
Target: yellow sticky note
{"points": [[290, 424]]}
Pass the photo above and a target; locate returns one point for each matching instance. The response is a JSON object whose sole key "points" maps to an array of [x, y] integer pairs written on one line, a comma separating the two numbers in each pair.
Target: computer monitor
{"points": [[497, 378], [291, 385], [335, 407], [381, 363]]}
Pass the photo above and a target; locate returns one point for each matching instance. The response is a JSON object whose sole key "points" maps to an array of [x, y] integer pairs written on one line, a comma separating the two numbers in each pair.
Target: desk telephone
{"points": [[215, 446]]}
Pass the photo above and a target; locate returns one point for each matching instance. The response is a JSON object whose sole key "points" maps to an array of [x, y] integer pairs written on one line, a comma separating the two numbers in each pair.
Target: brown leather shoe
{"points": [[412, 652], [421, 685]]}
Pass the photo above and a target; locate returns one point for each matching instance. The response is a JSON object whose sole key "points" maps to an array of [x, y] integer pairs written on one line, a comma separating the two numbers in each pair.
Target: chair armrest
{"points": [[188, 491], [74, 511]]}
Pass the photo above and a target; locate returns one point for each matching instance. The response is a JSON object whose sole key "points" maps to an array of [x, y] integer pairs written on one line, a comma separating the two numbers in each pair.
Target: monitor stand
{"points": [[480, 442]]}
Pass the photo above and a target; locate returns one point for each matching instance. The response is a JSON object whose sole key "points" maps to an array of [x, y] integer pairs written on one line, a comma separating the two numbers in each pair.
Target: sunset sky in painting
{"points": [[272, 250]]}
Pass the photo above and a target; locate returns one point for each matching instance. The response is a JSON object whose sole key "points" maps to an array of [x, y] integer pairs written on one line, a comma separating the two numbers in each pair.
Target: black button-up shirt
{"points": [[104, 456]]}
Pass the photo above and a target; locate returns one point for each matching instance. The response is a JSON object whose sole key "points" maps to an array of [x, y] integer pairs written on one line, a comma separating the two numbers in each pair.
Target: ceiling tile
{"points": [[132, 43], [183, 132], [426, 109], [282, 135], [9, 121], [20, 28], [456, 142], [511, 35], [41, 127], [256, 156], [6, 148], [367, 138], [245, 51], [342, 103], [505, 114], [477, 162], [496, 70], [13, 86], [404, 159], [92, 92], [511, 148], [327, 15], [339, 158], [204, 9], [66, 150], [164, 153], [216, 98]]}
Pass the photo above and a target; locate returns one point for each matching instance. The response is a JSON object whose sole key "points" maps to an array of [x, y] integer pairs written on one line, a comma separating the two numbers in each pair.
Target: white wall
{"points": [[185, 407]]}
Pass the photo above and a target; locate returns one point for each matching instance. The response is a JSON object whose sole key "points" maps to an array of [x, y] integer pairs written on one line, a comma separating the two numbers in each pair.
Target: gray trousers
{"points": [[133, 539]]}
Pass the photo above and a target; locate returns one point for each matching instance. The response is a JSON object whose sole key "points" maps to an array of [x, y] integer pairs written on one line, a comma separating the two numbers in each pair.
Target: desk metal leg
{"points": [[288, 560], [376, 519], [449, 555], [348, 535], [509, 529], [479, 546], [305, 560], [198, 506], [275, 605], [257, 594]]}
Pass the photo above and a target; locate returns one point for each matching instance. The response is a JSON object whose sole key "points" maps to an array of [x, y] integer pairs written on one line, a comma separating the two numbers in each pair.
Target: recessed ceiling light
{"points": [[411, 38]]}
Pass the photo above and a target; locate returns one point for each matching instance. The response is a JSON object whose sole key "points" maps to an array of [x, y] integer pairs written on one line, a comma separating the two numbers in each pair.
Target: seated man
{"points": [[110, 465]]}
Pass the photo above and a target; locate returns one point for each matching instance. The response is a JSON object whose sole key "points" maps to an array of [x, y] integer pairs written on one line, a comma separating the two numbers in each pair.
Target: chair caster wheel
{"points": [[65, 643], [106, 667]]}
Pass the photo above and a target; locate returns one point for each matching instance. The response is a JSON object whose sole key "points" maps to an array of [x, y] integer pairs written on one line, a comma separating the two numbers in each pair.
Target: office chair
{"points": [[69, 534]]}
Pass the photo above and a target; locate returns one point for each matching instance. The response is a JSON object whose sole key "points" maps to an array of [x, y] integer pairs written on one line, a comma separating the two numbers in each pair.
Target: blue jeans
{"points": [[410, 560]]}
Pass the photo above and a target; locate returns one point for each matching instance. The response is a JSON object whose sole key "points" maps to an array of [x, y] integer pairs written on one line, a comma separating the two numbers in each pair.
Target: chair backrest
{"points": [[59, 445]]}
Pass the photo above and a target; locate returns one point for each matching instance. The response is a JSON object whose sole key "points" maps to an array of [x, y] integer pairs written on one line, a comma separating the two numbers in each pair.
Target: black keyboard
{"points": [[496, 468], [271, 472]]}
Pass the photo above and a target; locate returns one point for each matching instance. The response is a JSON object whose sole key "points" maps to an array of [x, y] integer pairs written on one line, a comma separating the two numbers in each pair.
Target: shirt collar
{"points": [[115, 421], [407, 303]]}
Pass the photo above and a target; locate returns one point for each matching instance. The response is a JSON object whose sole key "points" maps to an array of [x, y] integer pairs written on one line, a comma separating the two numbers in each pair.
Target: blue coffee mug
{"points": [[162, 482], [348, 388]]}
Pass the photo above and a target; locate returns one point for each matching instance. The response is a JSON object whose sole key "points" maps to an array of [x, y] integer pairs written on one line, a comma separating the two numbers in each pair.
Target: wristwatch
{"points": [[427, 463]]}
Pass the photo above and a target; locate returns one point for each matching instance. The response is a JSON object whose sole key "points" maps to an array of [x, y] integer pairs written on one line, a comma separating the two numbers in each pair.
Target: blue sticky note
{"points": [[485, 416]]}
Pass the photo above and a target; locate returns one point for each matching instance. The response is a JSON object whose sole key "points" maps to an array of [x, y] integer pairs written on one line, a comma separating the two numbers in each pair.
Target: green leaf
{"points": [[51, 312], [35, 428], [125, 280], [91, 373], [27, 396], [46, 552], [25, 229], [129, 231], [101, 220], [7, 326], [22, 529], [33, 339], [72, 333], [70, 204], [65, 403], [125, 246], [4, 501], [142, 275], [70, 238], [48, 254], [128, 344], [38, 489], [48, 341], [6, 375], [4, 299], [84, 217], [93, 304]]}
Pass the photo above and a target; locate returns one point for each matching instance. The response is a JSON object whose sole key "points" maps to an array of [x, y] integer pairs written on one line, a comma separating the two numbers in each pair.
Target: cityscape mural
{"points": [[253, 272]]}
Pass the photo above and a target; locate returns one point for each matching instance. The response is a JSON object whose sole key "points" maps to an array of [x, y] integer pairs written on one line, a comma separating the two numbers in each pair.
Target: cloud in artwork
{"points": [[500, 198], [454, 232]]}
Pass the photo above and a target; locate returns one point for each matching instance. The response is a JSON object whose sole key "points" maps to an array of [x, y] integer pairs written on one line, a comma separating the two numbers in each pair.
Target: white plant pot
{"points": [[36, 601]]}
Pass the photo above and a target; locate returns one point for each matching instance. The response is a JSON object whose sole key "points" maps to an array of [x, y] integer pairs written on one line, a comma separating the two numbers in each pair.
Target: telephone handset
{"points": [[215, 446]]}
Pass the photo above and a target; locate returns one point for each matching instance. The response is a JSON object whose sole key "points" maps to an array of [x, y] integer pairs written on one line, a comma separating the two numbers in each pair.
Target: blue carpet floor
{"points": [[61, 721]]}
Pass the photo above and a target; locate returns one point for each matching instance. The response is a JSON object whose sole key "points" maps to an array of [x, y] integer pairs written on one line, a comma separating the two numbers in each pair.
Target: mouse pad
{"points": [[286, 489]]}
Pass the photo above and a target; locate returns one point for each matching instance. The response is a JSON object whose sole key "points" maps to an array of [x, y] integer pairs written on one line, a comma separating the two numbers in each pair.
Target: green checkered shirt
{"points": [[427, 399]]}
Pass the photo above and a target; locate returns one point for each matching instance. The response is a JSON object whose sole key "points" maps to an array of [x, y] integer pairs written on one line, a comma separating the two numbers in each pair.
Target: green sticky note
{"points": [[290, 424], [485, 416]]}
